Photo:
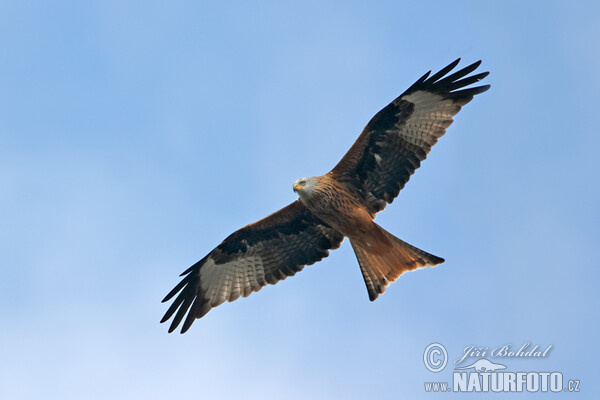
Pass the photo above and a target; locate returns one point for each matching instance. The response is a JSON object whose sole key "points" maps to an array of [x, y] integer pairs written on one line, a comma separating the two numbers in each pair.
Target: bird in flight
{"points": [[341, 203]]}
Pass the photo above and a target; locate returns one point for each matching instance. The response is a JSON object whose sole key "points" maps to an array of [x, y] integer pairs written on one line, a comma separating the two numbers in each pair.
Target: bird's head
{"points": [[305, 186]]}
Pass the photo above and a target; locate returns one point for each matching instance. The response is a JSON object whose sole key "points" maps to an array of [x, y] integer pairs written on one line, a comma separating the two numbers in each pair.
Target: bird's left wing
{"points": [[261, 253], [399, 137]]}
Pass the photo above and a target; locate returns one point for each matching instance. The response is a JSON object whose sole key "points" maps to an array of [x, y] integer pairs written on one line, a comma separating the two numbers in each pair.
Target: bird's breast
{"points": [[339, 208]]}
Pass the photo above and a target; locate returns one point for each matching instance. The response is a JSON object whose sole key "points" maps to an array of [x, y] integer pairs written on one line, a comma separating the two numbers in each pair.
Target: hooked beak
{"points": [[297, 187]]}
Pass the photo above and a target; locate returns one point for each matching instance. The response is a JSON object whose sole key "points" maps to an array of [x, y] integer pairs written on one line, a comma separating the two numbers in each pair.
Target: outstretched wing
{"points": [[399, 137], [261, 253]]}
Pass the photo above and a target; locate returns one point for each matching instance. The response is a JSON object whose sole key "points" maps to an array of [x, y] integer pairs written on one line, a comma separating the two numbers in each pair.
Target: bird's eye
{"points": [[302, 182]]}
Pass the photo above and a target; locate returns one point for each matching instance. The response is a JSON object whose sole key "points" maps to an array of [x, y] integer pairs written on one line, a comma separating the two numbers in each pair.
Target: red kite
{"points": [[341, 203]]}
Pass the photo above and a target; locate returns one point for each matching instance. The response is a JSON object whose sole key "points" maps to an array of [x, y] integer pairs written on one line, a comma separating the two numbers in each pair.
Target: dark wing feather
{"points": [[261, 253], [399, 137]]}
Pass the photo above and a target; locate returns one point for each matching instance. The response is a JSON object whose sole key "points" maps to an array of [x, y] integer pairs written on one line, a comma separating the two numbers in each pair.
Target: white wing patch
{"points": [[430, 118], [229, 281]]}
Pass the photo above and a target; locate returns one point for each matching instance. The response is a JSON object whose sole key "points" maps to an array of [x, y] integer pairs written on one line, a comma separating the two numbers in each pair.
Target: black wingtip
{"points": [[176, 289], [170, 295], [449, 84], [187, 271], [181, 312], [435, 77], [196, 266], [424, 77], [474, 91], [419, 81], [453, 64]]}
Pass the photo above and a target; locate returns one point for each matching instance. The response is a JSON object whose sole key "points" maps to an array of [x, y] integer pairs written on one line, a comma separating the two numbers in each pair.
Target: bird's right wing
{"points": [[261, 253]]}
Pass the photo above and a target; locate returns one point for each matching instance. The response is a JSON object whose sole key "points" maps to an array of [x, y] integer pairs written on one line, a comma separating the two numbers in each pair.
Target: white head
{"points": [[305, 187]]}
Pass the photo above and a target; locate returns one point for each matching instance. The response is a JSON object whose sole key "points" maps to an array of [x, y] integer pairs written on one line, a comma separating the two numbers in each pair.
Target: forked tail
{"points": [[381, 265]]}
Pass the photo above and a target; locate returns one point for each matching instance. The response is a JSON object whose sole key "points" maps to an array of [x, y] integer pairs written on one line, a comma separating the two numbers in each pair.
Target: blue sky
{"points": [[135, 136]]}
